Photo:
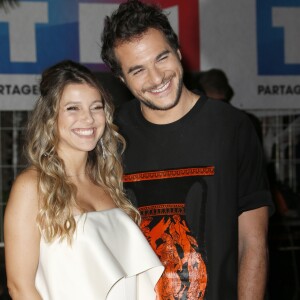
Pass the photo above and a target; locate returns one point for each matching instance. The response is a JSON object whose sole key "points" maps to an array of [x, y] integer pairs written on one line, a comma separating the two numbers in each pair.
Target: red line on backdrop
{"points": [[189, 33]]}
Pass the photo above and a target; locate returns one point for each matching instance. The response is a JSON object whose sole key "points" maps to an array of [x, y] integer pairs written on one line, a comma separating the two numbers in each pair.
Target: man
{"points": [[193, 166]]}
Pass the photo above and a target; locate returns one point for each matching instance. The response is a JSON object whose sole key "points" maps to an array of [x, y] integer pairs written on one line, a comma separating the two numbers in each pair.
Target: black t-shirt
{"points": [[191, 179]]}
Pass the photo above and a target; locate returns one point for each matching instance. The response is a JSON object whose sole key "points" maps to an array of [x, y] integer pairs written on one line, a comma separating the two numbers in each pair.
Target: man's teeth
{"points": [[163, 88]]}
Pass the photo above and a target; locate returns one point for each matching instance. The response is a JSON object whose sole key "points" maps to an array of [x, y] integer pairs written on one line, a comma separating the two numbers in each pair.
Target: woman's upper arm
{"points": [[22, 237]]}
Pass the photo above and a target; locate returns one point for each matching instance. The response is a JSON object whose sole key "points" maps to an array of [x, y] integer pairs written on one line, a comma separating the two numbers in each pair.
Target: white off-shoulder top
{"points": [[109, 259]]}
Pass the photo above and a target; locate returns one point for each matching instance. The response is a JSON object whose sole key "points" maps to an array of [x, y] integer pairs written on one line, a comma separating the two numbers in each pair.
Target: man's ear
{"points": [[179, 54]]}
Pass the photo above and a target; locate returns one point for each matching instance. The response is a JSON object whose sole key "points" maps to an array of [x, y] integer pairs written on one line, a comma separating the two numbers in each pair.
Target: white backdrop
{"points": [[236, 34], [256, 43]]}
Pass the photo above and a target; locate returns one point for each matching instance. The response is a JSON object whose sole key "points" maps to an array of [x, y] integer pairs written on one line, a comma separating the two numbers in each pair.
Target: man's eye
{"points": [[163, 58], [137, 71]]}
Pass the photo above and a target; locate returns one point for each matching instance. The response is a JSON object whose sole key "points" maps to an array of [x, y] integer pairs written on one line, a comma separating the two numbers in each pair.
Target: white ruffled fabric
{"points": [[109, 259]]}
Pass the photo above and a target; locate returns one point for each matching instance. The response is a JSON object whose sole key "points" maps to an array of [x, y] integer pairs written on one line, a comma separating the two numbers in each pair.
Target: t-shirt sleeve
{"points": [[253, 187]]}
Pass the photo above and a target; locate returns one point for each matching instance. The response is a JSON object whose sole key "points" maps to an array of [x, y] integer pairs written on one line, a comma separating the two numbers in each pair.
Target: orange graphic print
{"points": [[185, 275]]}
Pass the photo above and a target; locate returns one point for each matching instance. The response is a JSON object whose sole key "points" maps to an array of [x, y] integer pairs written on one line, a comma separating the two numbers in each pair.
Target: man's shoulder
{"points": [[226, 111], [127, 107], [126, 110]]}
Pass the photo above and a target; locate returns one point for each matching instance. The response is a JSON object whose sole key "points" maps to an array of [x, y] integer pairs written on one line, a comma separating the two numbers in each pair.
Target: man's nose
{"points": [[156, 75]]}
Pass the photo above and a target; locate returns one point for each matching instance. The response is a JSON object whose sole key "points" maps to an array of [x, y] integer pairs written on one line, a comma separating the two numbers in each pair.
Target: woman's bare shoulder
{"points": [[25, 188], [28, 177]]}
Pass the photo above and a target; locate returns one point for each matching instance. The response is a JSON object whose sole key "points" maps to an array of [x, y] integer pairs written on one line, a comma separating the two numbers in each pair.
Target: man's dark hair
{"points": [[131, 20]]}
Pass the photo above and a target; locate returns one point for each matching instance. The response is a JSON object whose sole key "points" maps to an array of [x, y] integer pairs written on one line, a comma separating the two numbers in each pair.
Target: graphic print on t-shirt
{"points": [[172, 205]]}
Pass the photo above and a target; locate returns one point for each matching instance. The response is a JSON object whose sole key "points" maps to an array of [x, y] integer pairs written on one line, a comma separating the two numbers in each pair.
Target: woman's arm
{"points": [[22, 237]]}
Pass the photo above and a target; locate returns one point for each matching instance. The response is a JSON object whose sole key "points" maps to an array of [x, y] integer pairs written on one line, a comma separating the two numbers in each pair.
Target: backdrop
{"points": [[256, 43]]}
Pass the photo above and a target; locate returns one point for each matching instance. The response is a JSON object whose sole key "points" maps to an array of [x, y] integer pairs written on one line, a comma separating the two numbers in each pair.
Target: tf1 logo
{"points": [[278, 44], [38, 33]]}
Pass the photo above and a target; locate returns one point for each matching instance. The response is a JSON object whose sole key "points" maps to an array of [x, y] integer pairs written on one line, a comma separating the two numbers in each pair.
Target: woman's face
{"points": [[81, 118]]}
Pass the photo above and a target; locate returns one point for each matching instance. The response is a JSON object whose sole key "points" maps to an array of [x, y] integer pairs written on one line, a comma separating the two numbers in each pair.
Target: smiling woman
{"points": [[81, 119], [67, 211]]}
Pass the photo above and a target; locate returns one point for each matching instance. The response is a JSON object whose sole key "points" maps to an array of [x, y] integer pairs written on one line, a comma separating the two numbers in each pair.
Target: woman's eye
{"points": [[72, 108], [98, 107]]}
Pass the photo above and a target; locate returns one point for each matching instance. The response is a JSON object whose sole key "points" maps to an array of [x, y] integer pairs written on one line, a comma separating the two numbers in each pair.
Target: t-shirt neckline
{"points": [[198, 106]]}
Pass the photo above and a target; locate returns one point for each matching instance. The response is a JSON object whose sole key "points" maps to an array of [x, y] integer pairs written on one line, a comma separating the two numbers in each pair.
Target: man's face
{"points": [[151, 70]]}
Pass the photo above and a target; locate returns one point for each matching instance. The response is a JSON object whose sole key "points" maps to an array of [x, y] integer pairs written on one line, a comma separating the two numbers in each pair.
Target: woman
{"points": [[69, 230]]}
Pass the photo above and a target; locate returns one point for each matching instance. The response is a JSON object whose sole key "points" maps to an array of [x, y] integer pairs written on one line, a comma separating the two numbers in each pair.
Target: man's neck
{"points": [[186, 102]]}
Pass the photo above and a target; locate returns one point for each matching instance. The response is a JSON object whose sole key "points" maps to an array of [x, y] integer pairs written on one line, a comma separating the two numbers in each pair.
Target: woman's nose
{"points": [[87, 116]]}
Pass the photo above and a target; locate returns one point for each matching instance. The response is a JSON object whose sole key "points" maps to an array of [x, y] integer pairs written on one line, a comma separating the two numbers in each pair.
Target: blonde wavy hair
{"points": [[57, 195]]}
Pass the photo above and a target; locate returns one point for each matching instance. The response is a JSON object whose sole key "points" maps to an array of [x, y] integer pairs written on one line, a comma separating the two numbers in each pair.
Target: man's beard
{"points": [[154, 106]]}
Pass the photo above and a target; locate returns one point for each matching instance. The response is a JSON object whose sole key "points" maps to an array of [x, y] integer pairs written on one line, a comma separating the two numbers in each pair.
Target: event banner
{"points": [[254, 42], [257, 44]]}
